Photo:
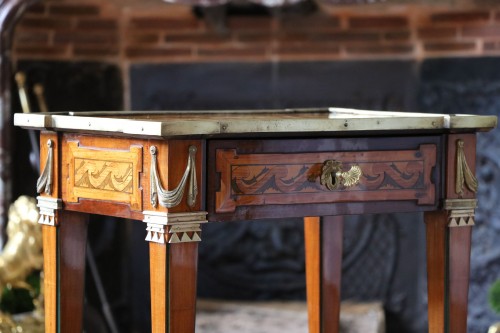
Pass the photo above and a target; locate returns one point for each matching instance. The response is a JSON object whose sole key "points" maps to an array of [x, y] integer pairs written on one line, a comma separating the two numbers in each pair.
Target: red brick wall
{"points": [[85, 30]]}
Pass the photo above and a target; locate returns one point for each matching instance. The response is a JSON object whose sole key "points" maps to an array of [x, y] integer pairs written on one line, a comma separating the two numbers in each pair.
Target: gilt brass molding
{"points": [[333, 177], [461, 212], [174, 227], [44, 182], [464, 175], [48, 207], [169, 199]]}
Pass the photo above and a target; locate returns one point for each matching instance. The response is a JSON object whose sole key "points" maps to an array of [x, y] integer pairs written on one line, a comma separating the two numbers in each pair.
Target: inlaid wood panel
{"points": [[288, 178], [104, 174]]}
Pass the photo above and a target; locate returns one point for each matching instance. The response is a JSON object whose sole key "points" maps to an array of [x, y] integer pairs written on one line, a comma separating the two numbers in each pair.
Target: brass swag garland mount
{"points": [[461, 211], [172, 198], [44, 183], [465, 176]]}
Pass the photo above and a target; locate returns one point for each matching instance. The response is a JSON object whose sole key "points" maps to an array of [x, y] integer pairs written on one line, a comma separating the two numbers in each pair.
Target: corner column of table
{"points": [[448, 233], [173, 262]]}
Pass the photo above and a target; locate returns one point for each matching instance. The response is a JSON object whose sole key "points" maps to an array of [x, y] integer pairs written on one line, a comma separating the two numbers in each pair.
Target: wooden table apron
{"points": [[174, 185]]}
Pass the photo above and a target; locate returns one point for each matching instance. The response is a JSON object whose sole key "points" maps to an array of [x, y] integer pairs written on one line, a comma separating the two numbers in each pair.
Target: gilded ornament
{"points": [[333, 177], [44, 182], [465, 176], [21, 255], [173, 227], [23, 251], [461, 212], [169, 199]]}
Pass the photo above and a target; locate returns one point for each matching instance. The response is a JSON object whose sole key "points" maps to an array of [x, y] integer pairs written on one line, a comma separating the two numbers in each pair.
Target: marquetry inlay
{"points": [[105, 174], [174, 227], [260, 178]]}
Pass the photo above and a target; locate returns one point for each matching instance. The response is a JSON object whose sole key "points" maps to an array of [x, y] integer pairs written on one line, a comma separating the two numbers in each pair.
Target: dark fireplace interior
{"points": [[384, 259]]}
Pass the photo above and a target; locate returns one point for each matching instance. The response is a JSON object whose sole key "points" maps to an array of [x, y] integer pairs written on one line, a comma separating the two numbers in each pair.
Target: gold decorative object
{"points": [[20, 256], [44, 183], [464, 173], [23, 251], [461, 212], [172, 198], [333, 177], [495, 328]]}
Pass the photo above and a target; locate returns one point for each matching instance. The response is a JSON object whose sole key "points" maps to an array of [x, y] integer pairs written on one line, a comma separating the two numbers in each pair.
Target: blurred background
{"points": [[430, 56]]}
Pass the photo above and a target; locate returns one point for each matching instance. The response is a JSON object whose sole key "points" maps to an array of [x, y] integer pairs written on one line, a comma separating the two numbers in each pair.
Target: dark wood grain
{"points": [[459, 270], [72, 249], [224, 204], [257, 179], [331, 272], [436, 234]]}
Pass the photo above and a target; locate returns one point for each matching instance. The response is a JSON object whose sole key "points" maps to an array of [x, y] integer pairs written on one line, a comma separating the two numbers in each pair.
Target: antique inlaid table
{"points": [[175, 171]]}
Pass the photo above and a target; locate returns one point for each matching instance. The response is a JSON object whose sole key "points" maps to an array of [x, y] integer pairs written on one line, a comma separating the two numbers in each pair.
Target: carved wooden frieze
{"points": [[105, 174], [257, 179]]}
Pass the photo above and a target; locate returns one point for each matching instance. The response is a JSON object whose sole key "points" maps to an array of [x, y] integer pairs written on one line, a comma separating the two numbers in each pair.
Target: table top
{"points": [[214, 123]]}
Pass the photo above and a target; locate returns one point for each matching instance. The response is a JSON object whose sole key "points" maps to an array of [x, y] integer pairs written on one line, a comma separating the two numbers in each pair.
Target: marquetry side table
{"points": [[177, 171]]}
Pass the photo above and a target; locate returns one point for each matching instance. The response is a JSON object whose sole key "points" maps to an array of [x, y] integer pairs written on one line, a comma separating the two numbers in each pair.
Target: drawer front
{"points": [[104, 174], [284, 178]]}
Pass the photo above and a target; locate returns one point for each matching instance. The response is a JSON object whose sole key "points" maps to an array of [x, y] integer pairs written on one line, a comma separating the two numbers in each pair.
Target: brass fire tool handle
{"points": [[39, 92], [34, 155]]}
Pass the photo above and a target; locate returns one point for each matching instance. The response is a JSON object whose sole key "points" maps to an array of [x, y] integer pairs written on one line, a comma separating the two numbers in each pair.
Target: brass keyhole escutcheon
{"points": [[333, 177]]}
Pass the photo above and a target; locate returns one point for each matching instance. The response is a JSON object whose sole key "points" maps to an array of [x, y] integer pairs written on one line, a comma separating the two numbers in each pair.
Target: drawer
{"points": [[310, 173]]}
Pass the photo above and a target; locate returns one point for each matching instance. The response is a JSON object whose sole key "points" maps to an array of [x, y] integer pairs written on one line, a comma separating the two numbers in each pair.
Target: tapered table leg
{"points": [[323, 241], [173, 263], [64, 266], [448, 263], [173, 269], [49, 234]]}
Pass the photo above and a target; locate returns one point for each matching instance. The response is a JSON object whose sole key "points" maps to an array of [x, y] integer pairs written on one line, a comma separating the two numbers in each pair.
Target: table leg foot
{"points": [[323, 241]]}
